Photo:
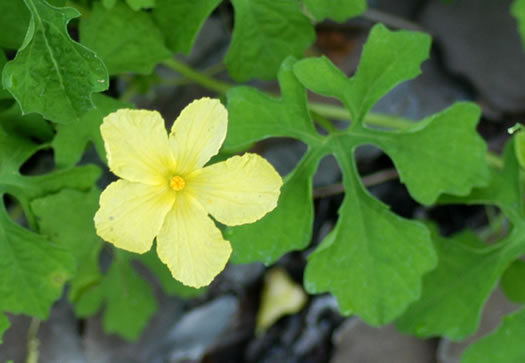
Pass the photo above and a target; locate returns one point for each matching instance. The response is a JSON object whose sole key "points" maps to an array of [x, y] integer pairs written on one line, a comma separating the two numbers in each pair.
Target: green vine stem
{"points": [[33, 342], [197, 77]]}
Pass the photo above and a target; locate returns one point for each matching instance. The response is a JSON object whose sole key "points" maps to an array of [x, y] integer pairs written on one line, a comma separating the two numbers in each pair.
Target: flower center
{"points": [[177, 183]]}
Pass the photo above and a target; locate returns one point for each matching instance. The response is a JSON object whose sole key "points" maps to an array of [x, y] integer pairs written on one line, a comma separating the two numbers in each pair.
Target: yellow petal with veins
{"points": [[131, 214], [198, 133], [239, 190], [137, 146], [191, 245]]}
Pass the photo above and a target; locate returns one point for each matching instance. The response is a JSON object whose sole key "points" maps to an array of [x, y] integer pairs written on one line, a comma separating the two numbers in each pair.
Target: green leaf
{"points": [[4, 325], [338, 10], [14, 19], [450, 154], [451, 306], [265, 32], [129, 301], [34, 270], [505, 345], [373, 260], [67, 218], [108, 4], [389, 58], [181, 21], [519, 147], [270, 238], [6, 100], [14, 151], [127, 41], [51, 74], [424, 155], [518, 10], [31, 126], [503, 191], [254, 115], [169, 284], [35, 267], [140, 4], [71, 140], [512, 282]]}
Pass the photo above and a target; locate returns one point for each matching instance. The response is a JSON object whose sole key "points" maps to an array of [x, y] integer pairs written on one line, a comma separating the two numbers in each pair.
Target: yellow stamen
{"points": [[177, 183]]}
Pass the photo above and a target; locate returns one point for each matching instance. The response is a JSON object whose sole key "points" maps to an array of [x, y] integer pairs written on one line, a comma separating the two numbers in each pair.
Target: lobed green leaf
{"points": [[52, 74], [265, 33], [128, 298], [441, 154], [389, 58], [181, 21], [504, 189], [30, 126], [14, 19], [34, 269], [338, 10], [373, 260], [66, 218], [127, 40], [451, 306], [14, 151]]}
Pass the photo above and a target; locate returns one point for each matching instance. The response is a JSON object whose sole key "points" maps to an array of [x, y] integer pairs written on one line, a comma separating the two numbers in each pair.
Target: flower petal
{"points": [[191, 245], [198, 133], [239, 190], [131, 214], [137, 146]]}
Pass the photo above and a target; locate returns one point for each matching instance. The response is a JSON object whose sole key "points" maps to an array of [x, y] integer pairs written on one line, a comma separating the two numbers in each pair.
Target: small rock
{"points": [[199, 330], [481, 42], [405, 9], [355, 341], [238, 276], [14, 346], [59, 338], [321, 315]]}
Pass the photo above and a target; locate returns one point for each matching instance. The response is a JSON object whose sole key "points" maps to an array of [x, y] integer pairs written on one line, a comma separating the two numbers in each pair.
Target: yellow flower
{"points": [[165, 191]]}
